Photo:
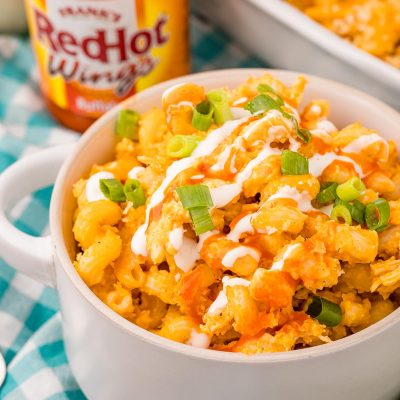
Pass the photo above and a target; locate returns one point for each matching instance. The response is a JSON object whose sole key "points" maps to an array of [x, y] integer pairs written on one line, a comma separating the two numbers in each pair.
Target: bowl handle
{"points": [[33, 256]]}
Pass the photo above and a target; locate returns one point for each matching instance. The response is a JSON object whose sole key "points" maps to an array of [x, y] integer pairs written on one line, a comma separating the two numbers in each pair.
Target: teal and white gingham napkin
{"points": [[30, 327]]}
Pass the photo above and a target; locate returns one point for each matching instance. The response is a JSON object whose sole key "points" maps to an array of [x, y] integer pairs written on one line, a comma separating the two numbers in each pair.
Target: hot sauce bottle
{"points": [[92, 54]]}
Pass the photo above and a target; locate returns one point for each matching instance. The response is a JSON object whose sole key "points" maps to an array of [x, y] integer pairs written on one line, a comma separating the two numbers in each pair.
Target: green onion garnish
{"points": [[202, 116], [264, 88], [351, 189], [127, 124], [339, 202], [293, 163], [377, 215], [341, 213], [326, 312], [197, 199], [358, 212], [112, 189], [303, 133], [201, 219], [219, 103], [181, 146], [134, 192], [327, 193], [262, 102], [195, 196]]}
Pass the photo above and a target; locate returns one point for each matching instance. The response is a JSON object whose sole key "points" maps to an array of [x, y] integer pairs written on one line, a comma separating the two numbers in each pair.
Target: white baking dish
{"points": [[285, 38]]}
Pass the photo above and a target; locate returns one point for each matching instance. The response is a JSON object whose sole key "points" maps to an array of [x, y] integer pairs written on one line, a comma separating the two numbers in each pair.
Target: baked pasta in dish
{"points": [[234, 221], [371, 25]]}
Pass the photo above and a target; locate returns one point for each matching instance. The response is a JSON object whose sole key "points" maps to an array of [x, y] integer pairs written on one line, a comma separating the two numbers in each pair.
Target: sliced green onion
{"points": [[202, 116], [377, 215], [264, 88], [303, 133], [112, 189], [351, 189], [358, 212], [201, 219], [181, 146], [195, 196], [127, 124], [262, 102], [134, 192], [326, 312], [327, 193], [293, 163], [341, 212], [339, 202], [219, 102]]}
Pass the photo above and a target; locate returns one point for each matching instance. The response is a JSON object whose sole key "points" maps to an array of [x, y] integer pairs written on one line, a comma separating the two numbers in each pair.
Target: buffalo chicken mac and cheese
{"points": [[234, 220]]}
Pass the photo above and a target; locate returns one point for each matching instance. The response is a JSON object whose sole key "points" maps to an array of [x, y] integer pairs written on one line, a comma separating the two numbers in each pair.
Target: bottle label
{"points": [[94, 53]]}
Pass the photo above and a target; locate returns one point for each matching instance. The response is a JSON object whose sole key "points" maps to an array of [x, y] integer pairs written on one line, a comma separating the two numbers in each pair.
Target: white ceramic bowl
{"points": [[286, 38], [115, 359]]}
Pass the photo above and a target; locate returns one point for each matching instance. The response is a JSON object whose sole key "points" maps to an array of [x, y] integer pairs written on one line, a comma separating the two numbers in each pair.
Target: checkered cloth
{"points": [[30, 330]]}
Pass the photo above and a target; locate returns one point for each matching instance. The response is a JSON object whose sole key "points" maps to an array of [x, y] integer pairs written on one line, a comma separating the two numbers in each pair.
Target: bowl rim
{"points": [[62, 256], [316, 33]]}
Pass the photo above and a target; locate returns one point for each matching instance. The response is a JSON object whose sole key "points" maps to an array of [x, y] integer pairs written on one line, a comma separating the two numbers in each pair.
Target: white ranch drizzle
{"points": [[239, 112], [224, 194], [133, 173], [92, 190], [326, 125], [175, 237], [278, 265], [357, 145], [168, 91], [302, 199], [200, 176], [239, 101], [327, 210], [318, 163], [198, 339], [242, 226], [207, 146], [184, 103], [224, 156], [316, 109], [229, 259], [248, 131], [221, 301], [270, 230], [189, 252]]}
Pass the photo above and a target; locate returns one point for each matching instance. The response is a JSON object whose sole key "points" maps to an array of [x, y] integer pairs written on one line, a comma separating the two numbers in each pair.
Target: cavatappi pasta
{"points": [[371, 25], [297, 221]]}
